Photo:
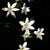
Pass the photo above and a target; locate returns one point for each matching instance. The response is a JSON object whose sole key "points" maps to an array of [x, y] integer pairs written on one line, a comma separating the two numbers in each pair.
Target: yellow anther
{"points": [[26, 25], [26, 36], [22, 49], [24, 9], [9, 9], [39, 33]]}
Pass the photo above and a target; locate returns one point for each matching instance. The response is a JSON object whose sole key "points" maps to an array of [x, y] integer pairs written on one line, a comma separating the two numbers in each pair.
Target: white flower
{"points": [[27, 25], [26, 35], [10, 9], [39, 33], [23, 47], [25, 9]]}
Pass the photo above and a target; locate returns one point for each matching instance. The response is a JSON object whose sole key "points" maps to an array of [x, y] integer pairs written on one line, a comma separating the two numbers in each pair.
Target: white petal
{"points": [[20, 46], [23, 35], [25, 13], [38, 29], [26, 48], [23, 28], [15, 9], [25, 44], [27, 31], [24, 5], [37, 36], [13, 5], [8, 4], [24, 38], [5, 9], [29, 0], [42, 29], [40, 37], [7, 14], [22, 11], [31, 22], [27, 9], [22, 8], [31, 27], [35, 32], [42, 34], [18, 49], [27, 20], [21, 23], [13, 14]]}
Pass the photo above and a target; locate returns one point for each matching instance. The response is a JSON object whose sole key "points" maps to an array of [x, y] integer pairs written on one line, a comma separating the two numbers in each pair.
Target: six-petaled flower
{"points": [[27, 25], [39, 33], [25, 9], [26, 35], [10, 9], [23, 47]]}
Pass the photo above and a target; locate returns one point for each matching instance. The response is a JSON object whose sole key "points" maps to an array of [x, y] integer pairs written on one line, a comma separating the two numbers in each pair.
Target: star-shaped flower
{"points": [[26, 35], [23, 47], [25, 9], [10, 9], [39, 33], [27, 25]]}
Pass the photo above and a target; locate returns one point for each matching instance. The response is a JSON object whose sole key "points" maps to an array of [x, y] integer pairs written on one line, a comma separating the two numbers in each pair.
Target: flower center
{"points": [[24, 9], [39, 33], [22, 48], [26, 25], [26, 36], [9, 9]]}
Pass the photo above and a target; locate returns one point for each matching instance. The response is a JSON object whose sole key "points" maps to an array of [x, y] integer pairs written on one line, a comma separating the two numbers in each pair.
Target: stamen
{"points": [[26, 25], [24, 9], [39, 33], [22, 49], [26, 36], [9, 9]]}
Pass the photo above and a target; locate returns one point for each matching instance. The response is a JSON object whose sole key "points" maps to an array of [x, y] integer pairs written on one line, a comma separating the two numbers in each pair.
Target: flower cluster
{"points": [[25, 9], [27, 25], [12, 8]]}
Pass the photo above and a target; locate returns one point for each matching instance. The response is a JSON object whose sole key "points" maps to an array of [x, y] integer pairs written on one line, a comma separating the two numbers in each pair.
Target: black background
{"points": [[10, 36]]}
